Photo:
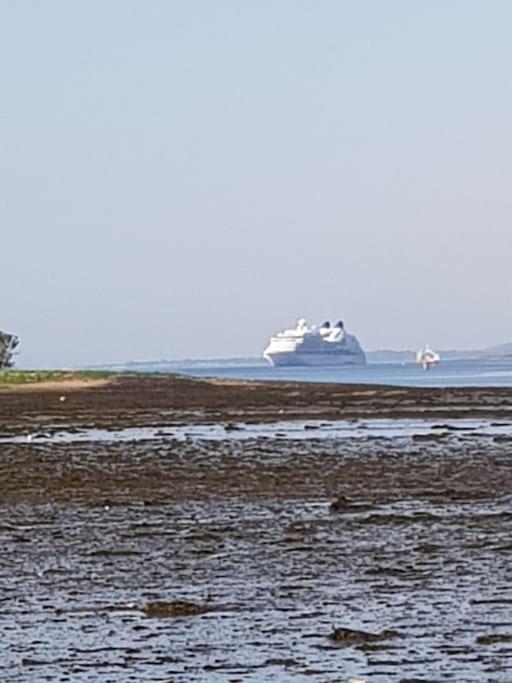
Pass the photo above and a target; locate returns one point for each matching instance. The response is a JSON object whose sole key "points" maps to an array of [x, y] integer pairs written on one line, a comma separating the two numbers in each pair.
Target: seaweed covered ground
{"points": [[267, 558]]}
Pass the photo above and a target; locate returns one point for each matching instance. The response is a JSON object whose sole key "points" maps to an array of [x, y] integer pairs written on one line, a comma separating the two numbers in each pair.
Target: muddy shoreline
{"points": [[265, 559], [156, 400]]}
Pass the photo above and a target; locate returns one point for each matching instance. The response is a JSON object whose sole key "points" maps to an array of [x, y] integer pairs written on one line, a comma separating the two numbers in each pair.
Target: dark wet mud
{"points": [[386, 559], [151, 401]]}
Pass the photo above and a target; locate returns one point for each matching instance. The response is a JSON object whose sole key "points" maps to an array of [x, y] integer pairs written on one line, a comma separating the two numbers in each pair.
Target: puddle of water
{"points": [[309, 430]]}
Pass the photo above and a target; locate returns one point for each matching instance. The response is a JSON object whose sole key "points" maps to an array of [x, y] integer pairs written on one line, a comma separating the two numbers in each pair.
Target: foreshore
{"points": [[184, 560], [156, 399]]}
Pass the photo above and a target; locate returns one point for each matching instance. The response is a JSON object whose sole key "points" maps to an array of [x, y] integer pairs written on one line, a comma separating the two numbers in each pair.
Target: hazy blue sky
{"points": [[181, 179]]}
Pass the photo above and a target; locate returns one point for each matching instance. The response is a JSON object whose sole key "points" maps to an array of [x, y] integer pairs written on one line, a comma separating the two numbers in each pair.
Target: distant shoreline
{"points": [[502, 352]]}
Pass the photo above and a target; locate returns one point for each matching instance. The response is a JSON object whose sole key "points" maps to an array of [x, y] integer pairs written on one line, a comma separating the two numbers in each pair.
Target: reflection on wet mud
{"points": [[291, 429]]}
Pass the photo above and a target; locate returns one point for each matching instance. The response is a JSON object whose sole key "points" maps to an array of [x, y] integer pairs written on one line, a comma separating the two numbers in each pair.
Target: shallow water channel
{"points": [[296, 429]]}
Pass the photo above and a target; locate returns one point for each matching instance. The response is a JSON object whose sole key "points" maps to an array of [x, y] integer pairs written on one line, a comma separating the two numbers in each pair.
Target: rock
{"points": [[494, 638], [177, 608], [350, 636], [343, 504], [287, 662], [231, 427]]}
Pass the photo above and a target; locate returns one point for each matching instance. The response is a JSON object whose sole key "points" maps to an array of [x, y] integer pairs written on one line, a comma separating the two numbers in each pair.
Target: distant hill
{"points": [[503, 351], [390, 356], [500, 351], [166, 365]]}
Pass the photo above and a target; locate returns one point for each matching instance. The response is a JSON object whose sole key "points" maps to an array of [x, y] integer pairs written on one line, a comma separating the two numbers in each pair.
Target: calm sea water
{"points": [[450, 373]]}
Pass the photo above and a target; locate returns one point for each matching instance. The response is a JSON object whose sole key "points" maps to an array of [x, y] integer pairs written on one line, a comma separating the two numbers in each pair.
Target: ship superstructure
{"points": [[314, 346]]}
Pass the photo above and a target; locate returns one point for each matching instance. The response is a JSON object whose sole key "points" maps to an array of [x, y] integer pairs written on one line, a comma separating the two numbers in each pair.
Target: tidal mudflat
{"points": [[383, 556]]}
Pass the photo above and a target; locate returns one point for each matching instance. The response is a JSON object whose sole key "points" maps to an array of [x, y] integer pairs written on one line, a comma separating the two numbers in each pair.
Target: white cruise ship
{"points": [[314, 346]]}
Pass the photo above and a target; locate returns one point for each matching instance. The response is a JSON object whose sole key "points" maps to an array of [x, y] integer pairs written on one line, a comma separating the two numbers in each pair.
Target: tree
{"points": [[8, 345]]}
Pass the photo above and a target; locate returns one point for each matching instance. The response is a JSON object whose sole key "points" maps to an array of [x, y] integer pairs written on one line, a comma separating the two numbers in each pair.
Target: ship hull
{"points": [[314, 359]]}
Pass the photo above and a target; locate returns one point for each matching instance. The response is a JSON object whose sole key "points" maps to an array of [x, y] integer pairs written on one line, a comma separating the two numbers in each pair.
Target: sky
{"points": [[183, 179]]}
